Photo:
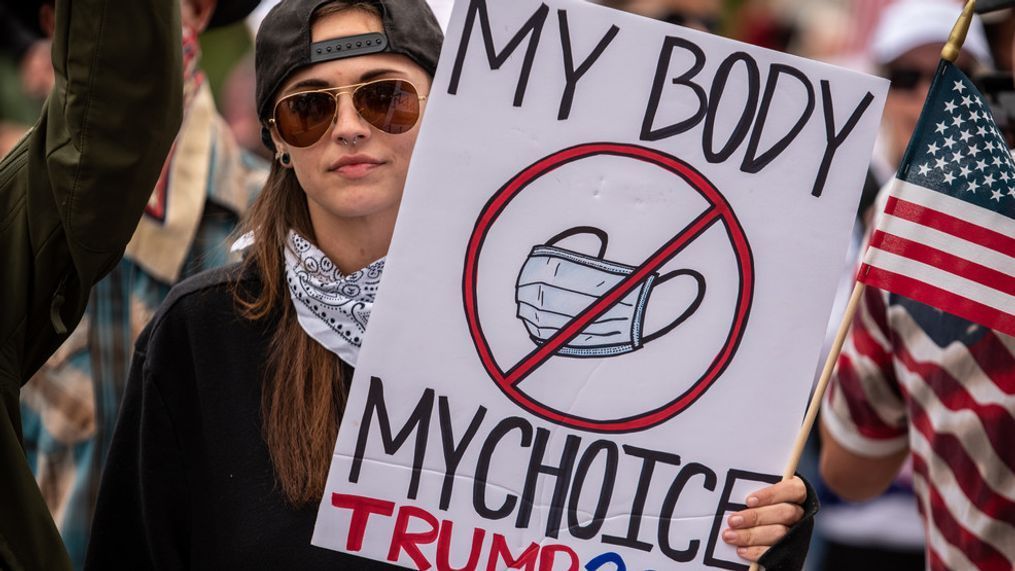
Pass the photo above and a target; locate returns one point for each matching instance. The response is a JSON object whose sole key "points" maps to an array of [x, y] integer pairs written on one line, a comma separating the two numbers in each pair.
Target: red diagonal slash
{"points": [[611, 298], [719, 209]]}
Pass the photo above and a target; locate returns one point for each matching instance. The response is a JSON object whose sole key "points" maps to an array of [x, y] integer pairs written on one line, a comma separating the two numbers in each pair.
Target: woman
{"points": [[219, 462]]}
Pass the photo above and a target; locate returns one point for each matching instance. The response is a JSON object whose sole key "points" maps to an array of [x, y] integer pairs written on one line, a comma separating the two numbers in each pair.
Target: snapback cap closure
{"points": [[349, 46]]}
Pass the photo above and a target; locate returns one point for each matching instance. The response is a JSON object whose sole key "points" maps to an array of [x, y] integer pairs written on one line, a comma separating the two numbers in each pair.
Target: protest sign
{"points": [[605, 296]]}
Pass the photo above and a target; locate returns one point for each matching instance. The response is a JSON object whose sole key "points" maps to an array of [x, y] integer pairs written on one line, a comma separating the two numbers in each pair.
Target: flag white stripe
{"points": [[953, 206], [947, 243], [955, 359], [881, 397], [846, 433], [941, 279], [952, 557], [967, 427], [996, 533]]}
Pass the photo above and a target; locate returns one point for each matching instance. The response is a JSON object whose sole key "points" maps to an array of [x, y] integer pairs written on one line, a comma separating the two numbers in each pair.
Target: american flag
{"points": [[947, 235]]}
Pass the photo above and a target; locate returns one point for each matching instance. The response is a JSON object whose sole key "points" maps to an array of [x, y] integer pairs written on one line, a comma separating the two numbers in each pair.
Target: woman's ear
{"points": [[269, 135]]}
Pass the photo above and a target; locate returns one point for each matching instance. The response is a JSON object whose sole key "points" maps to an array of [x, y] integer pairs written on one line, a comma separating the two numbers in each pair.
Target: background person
{"points": [[70, 195], [70, 406], [913, 381]]}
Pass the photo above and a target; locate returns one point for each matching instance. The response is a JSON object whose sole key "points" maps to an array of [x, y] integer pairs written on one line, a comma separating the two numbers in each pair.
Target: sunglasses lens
{"points": [[392, 105], [303, 118], [905, 79]]}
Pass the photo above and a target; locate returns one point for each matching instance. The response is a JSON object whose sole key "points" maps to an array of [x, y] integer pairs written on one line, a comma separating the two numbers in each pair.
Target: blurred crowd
{"points": [[834, 31], [72, 401]]}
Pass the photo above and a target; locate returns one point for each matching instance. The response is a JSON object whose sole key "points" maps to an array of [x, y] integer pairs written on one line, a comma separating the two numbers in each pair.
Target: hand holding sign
{"points": [[771, 512]]}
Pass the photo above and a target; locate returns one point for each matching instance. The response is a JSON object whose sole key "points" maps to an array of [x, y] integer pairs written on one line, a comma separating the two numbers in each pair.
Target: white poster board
{"points": [[605, 297]]}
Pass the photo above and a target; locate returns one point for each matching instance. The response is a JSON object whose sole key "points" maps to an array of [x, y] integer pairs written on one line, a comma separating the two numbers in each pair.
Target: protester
{"points": [[915, 382], [906, 48], [26, 74], [886, 532], [70, 406], [28, 42], [239, 108], [70, 195], [219, 459]]}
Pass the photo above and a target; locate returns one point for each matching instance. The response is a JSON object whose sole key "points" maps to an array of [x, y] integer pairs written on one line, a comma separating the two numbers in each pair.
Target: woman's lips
{"points": [[355, 166], [356, 170]]}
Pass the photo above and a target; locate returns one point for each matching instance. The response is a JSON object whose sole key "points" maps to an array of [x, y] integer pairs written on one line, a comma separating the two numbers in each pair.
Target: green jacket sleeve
{"points": [[71, 194]]}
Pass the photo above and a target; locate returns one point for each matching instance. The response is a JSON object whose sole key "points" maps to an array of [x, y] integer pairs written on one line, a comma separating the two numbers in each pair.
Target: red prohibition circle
{"points": [[719, 211]]}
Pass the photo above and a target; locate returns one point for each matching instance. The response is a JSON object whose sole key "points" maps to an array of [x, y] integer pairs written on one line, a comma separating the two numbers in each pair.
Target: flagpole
{"points": [[958, 36], [950, 52], [819, 388]]}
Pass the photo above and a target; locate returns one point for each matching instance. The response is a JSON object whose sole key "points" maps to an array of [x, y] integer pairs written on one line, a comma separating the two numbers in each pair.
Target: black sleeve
{"points": [[141, 517], [790, 552]]}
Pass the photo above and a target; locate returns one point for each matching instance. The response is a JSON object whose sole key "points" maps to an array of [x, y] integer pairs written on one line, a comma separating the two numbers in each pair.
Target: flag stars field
{"points": [[946, 235], [965, 152]]}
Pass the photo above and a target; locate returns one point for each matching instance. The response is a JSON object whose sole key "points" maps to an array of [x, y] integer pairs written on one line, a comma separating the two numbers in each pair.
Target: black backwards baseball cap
{"points": [[283, 43]]}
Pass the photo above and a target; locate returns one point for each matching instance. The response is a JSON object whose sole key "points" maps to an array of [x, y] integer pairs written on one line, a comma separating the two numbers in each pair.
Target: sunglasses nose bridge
{"points": [[354, 126]]}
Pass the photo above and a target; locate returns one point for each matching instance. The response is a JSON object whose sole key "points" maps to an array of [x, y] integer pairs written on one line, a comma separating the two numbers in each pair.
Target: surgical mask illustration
{"points": [[556, 284]]}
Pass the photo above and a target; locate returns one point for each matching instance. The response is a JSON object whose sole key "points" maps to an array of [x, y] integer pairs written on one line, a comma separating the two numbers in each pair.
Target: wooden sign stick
{"points": [[819, 388]]}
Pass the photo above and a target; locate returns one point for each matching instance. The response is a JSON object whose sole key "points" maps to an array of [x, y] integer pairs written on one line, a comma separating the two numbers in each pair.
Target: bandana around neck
{"points": [[333, 309]]}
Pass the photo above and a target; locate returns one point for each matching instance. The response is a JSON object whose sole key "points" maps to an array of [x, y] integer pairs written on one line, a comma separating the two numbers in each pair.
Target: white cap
{"points": [[909, 24]]}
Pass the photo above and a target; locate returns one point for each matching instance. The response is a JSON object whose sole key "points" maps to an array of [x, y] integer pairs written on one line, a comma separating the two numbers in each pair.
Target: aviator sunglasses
{"points": [[905, 78], [391, 105]]}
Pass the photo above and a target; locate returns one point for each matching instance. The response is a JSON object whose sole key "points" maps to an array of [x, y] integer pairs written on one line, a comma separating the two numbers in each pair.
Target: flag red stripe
{"points": [[865, 343], [950, 449], [996, 361], [877, 311], [866, 418], [948, 262], [951, 225], [939, 298], [997, 422], [980, 553], [935, 560], [868, 346]]}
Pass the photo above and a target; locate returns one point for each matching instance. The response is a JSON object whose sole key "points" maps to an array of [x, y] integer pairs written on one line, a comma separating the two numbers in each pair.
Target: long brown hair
{"points": [[303, 392]]}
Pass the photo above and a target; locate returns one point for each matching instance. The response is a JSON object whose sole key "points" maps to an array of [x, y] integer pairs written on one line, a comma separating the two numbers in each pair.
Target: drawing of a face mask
{"points": [[555, 284]]}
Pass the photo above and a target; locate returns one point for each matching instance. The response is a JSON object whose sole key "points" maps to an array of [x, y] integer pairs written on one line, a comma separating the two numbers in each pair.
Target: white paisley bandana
{"points": [[333, 309]]}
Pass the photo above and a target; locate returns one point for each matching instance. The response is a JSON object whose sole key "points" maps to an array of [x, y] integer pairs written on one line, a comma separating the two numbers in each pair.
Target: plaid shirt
{"points": [[69, 408]]}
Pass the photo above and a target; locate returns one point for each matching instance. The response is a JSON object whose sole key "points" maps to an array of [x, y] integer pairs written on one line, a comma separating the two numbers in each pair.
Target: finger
{"points": [[784, 514], [751, 553], [762, 535], [792, 491]]}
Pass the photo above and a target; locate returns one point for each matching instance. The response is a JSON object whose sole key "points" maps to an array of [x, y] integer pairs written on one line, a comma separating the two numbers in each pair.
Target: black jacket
{"points": [[188, 483], [71, 193]]}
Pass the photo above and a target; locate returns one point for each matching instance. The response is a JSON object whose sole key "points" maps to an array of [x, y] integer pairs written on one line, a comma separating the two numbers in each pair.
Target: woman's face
{"points": [[354, 171]]}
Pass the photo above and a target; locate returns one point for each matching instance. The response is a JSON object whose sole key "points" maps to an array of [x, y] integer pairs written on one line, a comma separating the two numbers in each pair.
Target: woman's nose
{"points": [[350, 128]]}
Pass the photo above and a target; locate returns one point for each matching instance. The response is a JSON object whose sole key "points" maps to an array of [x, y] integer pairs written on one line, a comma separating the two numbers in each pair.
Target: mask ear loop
{"points": [[700, 279], [597, 232]]}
